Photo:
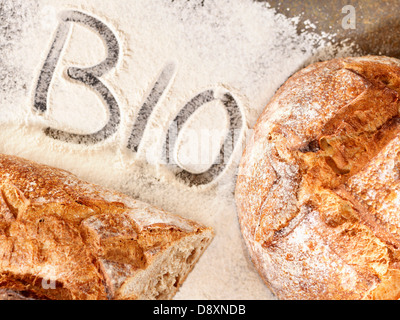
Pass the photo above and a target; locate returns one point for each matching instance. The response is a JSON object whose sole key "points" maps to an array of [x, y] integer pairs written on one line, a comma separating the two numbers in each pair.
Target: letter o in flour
{"points": [[228, 147]]}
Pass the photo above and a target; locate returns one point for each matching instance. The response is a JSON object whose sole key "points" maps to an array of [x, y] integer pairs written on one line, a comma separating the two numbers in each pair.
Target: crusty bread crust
{"points": [[63, 238], [318, 190]]}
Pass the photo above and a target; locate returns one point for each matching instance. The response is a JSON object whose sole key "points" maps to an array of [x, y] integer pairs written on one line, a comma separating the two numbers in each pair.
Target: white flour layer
{"points": [[241, 46]]}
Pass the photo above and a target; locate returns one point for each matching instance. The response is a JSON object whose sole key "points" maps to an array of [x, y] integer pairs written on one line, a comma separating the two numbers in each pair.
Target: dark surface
{"points": [[377, 22]]}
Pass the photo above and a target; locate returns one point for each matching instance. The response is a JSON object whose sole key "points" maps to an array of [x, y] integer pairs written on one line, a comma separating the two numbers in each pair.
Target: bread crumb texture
{"points": [[318, 191], [62, 238]]}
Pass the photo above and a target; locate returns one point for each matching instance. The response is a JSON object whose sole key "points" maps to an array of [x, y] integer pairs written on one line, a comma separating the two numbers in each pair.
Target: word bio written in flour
{"points": [[91, 77]]}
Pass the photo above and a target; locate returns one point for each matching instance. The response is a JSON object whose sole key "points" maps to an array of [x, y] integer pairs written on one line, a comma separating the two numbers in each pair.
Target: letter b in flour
{"points": [[88, 76], [48, 284]]}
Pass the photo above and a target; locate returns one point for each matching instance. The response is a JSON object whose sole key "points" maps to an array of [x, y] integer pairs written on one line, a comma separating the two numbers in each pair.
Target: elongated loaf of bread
{"points": [[318, 191], [62, 238]]}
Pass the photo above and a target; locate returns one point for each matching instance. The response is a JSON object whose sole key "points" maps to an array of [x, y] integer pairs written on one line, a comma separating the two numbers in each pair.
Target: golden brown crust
{"points": [[318, 185], [63, 238]]}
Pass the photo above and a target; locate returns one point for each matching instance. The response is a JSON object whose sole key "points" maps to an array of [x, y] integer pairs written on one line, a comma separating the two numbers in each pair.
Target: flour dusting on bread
{"points": [[329, 227]]}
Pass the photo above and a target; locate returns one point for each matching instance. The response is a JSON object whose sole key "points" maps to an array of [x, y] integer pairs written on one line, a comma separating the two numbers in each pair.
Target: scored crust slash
{"points": [[63, 238], [318, 191]]}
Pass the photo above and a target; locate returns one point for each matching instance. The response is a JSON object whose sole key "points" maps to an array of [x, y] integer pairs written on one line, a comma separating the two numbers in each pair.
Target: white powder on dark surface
{"points": [[242, 47]]}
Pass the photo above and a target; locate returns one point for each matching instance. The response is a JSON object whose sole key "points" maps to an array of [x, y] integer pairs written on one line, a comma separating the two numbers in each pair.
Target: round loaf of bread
{"points": [[318, 191]]}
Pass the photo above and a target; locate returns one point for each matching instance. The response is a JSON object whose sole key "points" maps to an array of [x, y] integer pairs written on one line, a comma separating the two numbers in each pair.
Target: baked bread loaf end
{"points": [[318, 191], [64, 239]]}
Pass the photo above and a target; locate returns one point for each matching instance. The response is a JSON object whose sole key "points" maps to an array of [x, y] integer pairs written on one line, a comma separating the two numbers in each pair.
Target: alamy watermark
{"points": [[349, 20]]}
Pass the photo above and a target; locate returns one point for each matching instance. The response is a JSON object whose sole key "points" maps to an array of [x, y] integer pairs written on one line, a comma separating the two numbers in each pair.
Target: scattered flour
{"points": [[241, 46]]}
